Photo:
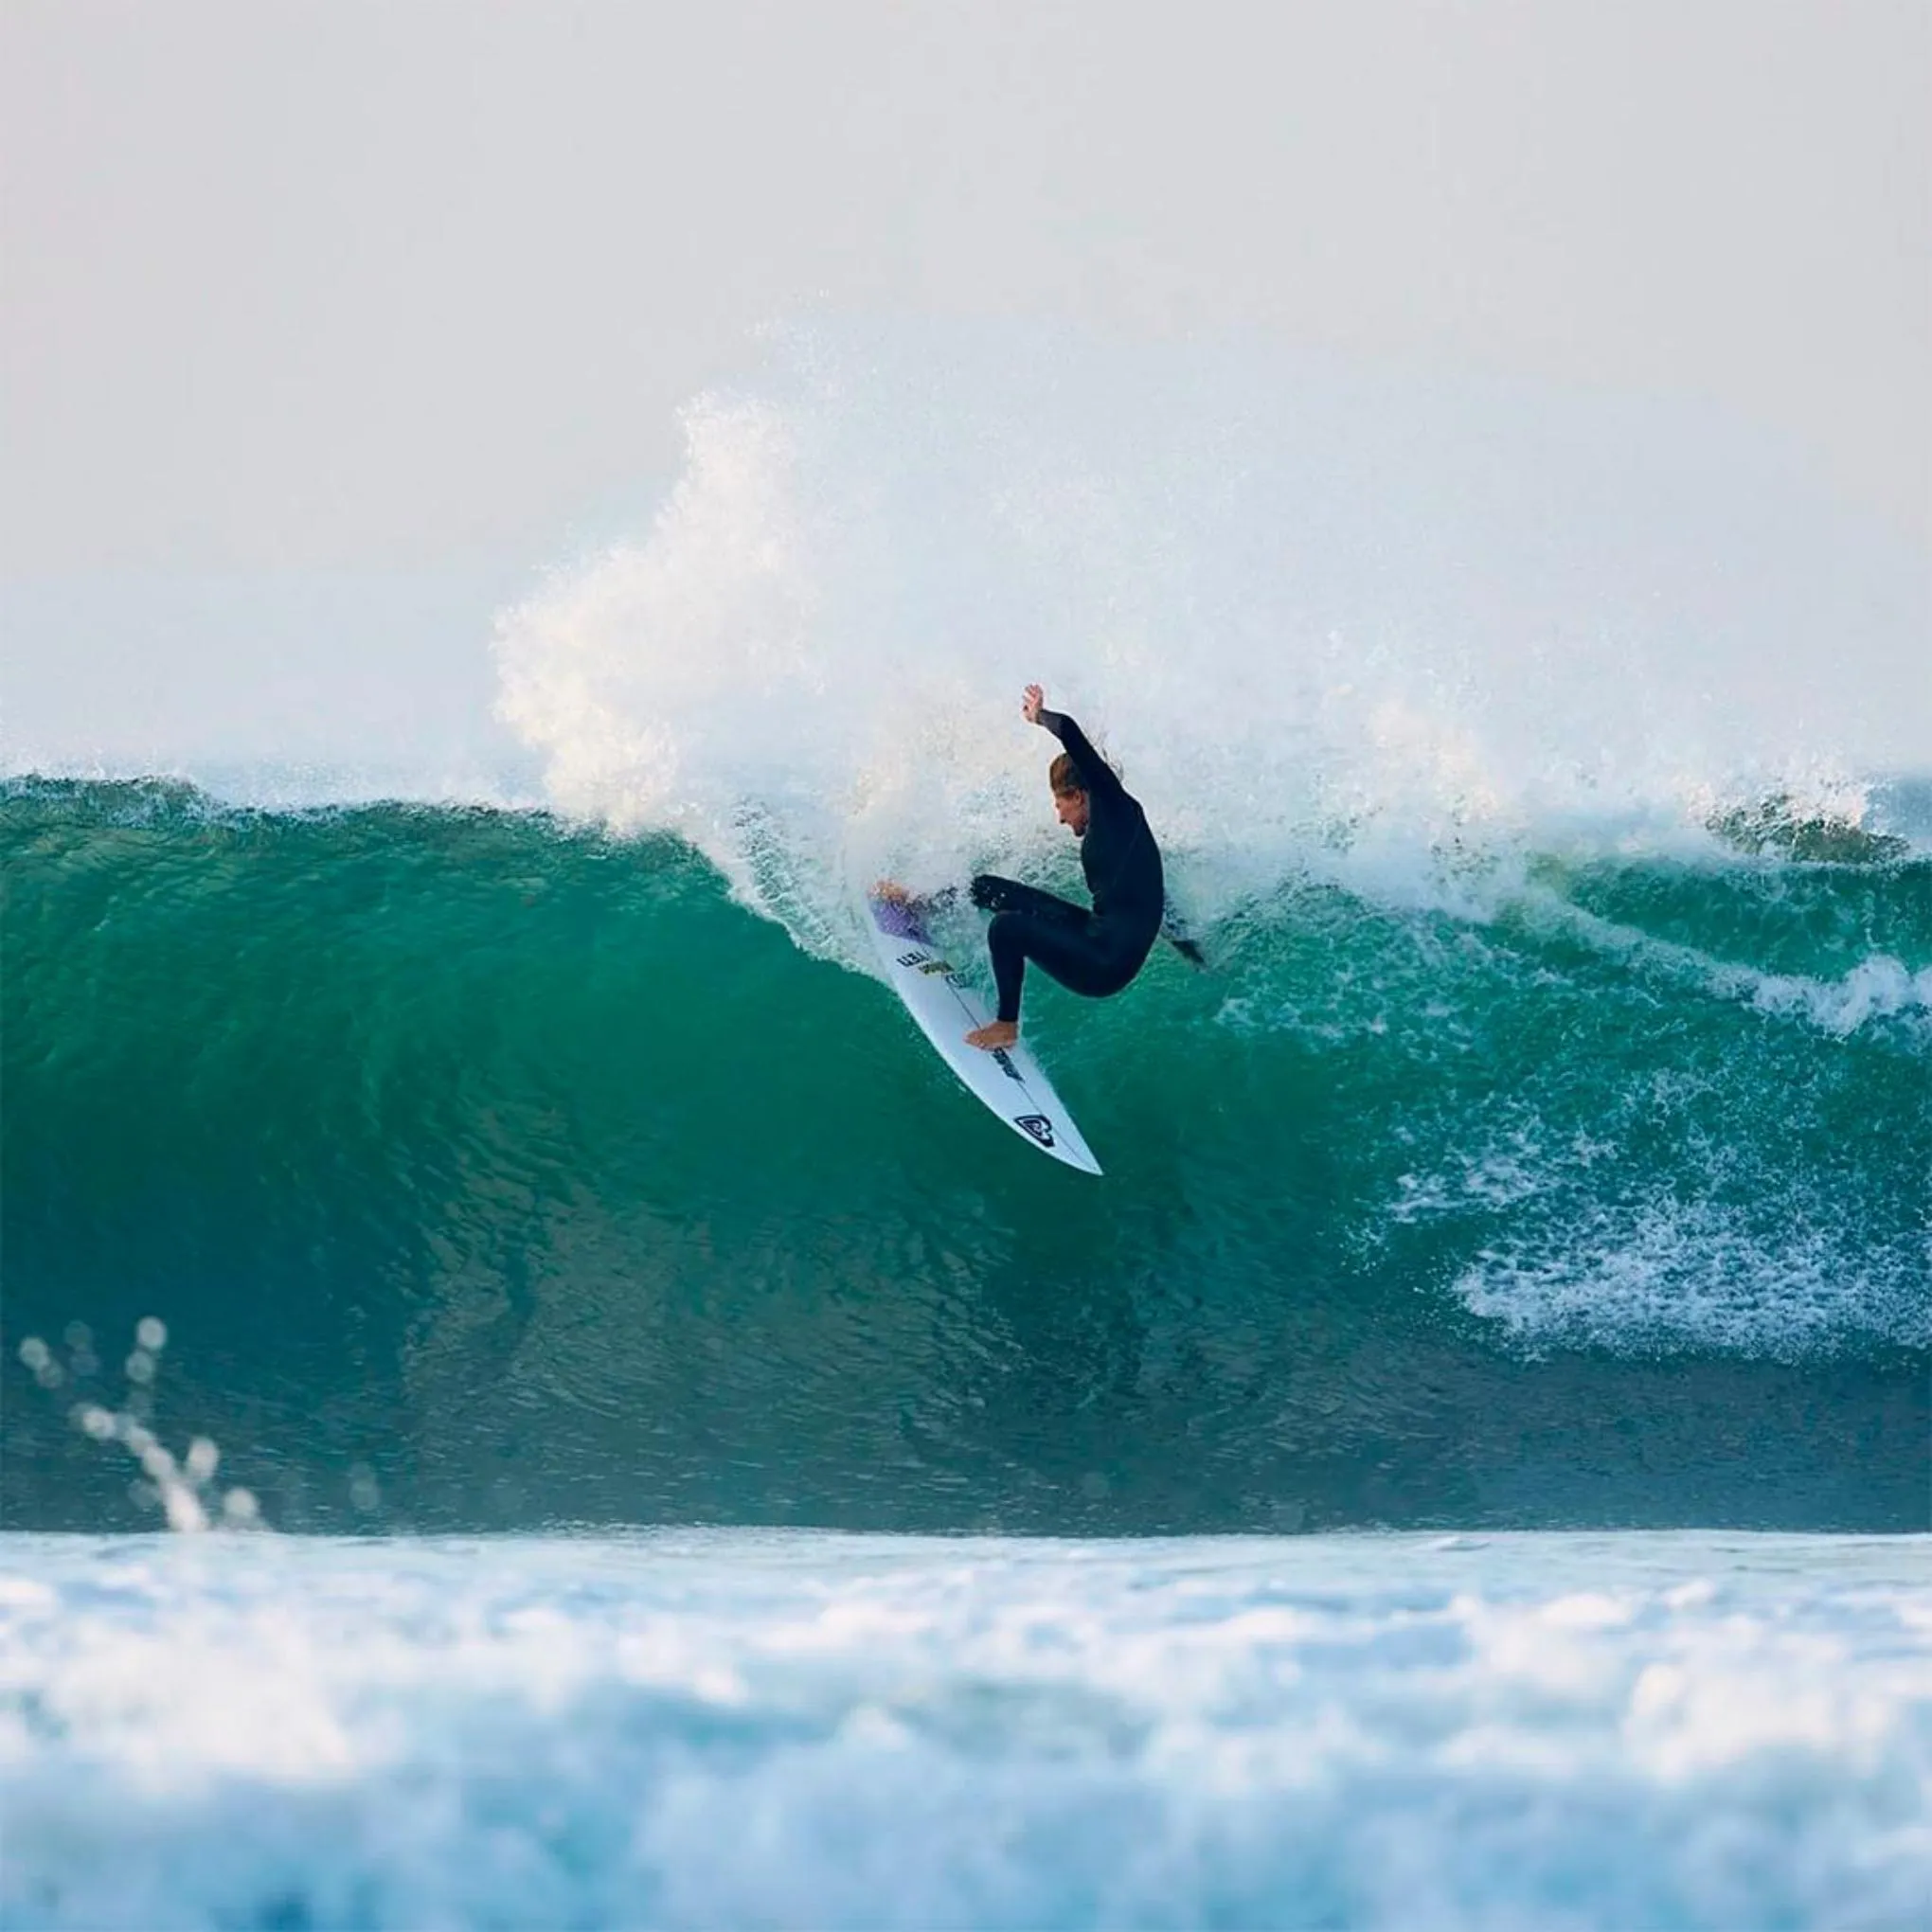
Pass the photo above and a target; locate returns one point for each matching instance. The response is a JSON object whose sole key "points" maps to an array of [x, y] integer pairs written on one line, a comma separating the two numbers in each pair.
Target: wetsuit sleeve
{"points": [[1099, 776]]}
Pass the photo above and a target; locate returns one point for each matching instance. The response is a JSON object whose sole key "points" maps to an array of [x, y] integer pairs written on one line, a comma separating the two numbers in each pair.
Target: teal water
{"points": [[519, 1171]]}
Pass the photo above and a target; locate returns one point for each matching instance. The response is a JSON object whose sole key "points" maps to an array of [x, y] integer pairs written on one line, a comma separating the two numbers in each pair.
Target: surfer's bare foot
{"points": [[1000, 1034]]}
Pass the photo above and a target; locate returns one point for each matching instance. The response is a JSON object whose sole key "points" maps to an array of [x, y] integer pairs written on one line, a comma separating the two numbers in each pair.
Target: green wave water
{"points": [[488, 1173]]}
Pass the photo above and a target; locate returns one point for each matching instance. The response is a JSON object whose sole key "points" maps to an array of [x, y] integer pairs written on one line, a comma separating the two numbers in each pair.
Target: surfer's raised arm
{"points": [[1099, 776]]}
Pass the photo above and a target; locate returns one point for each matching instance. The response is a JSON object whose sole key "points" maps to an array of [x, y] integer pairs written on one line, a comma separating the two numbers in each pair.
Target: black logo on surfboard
{"points": [[1038, 1125], [924, 962], [1005, 1065]]}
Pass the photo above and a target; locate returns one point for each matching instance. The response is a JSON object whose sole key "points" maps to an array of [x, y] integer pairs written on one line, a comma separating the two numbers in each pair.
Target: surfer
{"points": [[1097, 951]]}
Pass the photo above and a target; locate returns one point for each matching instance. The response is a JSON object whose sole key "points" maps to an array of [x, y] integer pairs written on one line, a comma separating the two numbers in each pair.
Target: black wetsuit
{"points": [[1095, 953]]}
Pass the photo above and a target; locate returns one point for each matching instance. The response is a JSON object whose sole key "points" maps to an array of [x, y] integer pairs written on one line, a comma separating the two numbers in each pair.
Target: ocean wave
{"points": [[510, 1161]]}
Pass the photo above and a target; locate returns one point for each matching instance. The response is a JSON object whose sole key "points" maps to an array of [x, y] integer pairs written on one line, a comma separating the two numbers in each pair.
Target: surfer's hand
{"points": [[1030, 704], [892, 892]]}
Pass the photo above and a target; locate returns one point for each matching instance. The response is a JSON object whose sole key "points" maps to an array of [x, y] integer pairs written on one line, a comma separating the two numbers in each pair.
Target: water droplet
{"points": [[203, 1457], [152, 1332], [140, 1366], [78, 1336], [185, 1512], [238, 1506], [33, 1352]]}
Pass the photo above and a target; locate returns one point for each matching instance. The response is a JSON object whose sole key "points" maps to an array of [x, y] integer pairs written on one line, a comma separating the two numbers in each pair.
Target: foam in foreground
{"points": [[760, 1728]]}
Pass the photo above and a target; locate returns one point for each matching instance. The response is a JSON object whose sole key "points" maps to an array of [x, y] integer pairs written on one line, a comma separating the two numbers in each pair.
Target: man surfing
{"points": [[1097, 951]]}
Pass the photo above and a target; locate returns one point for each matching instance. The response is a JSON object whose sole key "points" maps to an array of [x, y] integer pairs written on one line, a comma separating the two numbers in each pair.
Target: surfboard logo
{"points": [[1038, 1125], [924, 962], [1005, 1065]]}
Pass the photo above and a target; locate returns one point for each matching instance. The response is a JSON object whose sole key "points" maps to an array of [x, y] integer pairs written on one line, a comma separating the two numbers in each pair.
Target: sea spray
{"points": [[1399, 633], [181, 1487]]}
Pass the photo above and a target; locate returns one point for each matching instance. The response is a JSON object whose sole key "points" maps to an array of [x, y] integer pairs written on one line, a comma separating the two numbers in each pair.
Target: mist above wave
{"points": [[1319, 619]]}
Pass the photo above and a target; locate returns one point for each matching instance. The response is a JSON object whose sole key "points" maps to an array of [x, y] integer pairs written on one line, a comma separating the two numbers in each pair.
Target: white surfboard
{"points": [[1008, 1079]]}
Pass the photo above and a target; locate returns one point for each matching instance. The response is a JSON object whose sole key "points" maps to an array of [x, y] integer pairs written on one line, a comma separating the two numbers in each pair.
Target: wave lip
{"points": [[1323, 620]]}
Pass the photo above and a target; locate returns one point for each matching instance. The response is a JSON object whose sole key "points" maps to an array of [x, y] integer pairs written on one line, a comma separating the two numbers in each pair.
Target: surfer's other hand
{"points": [[892, 892], [1031, 703]]}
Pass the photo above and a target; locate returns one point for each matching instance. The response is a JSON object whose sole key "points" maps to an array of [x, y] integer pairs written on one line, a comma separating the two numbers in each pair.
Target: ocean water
{"points": [[765, 1729], [521, 1168], [677, 1460]]}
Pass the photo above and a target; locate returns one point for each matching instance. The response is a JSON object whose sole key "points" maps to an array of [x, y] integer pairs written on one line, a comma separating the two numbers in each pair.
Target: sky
{"points": [[363, 308]]}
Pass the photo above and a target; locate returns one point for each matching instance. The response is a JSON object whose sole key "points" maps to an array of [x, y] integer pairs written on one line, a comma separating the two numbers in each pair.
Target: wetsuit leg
{"points": [[1076, 954], [991, 893]]}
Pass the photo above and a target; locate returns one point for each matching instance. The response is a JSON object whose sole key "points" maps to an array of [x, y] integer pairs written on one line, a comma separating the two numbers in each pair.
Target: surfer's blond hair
{"points": [[1063, 776]]}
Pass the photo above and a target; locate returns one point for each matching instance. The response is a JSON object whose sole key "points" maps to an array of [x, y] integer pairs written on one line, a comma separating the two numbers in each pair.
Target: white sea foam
{"points": [[1656, 1271], [686, 1729], [1878, 988], [1577, 1245], [1312, 615]]}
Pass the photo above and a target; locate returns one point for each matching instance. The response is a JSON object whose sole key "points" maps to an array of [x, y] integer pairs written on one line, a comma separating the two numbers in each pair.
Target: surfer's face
{"points": [[1072, 810]]}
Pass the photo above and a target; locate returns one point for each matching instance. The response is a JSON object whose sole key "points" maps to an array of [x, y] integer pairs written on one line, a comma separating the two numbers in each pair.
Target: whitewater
{"points": [[762, 1729], [673, 1460]]}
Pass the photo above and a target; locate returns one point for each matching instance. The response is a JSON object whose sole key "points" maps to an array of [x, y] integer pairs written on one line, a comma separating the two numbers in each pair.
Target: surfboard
{"points": [[1008, 1080]]}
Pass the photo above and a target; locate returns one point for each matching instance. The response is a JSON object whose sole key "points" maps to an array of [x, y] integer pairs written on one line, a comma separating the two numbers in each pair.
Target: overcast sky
{"points": [[370, 286]]}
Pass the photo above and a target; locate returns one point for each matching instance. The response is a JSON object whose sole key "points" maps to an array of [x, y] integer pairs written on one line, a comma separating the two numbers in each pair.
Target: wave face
{"points": [[491, 1169]]}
